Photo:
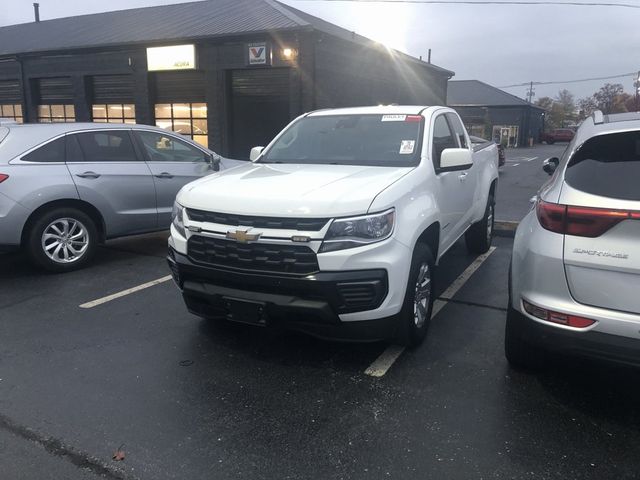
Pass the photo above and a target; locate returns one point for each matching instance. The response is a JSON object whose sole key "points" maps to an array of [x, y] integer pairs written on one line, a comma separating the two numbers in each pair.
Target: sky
{"points": [[498, 44]]}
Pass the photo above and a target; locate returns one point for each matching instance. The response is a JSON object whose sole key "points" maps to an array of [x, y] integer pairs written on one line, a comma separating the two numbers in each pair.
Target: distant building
{"points": [[228, 73], [495, 114]]}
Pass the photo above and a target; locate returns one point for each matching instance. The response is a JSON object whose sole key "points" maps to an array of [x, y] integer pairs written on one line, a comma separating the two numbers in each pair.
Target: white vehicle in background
{"points": [[335, 228], [575, 274]]}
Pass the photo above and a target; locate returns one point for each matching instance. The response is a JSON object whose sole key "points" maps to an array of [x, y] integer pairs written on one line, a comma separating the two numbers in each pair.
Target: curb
{"points": [[504, 228]]}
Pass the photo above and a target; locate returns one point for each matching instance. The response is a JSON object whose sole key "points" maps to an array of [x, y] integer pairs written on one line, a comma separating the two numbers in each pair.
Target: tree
{"points": [[611, 98], [566, 107], [560, 111]]}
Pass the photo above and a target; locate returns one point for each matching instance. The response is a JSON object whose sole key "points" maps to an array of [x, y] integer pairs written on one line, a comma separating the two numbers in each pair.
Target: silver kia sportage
{"points": [[575, 274], [64, 188]]}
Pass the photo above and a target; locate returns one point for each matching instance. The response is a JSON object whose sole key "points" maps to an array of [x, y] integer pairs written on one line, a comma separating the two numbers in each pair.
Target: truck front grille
{"points": [[282, 223], [259, 257]]}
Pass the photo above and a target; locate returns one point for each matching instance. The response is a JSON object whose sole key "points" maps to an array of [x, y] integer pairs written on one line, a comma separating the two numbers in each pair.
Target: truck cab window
{"points": [[458, 128], [442, 139]]}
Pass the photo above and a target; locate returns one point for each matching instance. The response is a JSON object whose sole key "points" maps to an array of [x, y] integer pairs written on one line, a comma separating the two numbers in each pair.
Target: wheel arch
{"points": [[493, 189], [81, 205], [430, 237]]}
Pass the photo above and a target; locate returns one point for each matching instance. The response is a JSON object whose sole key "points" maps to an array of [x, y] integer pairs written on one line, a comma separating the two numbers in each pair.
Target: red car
{"points": [[557, 135]]}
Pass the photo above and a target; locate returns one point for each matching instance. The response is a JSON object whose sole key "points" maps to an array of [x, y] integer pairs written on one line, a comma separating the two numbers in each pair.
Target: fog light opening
{"points": [[574, 321]]}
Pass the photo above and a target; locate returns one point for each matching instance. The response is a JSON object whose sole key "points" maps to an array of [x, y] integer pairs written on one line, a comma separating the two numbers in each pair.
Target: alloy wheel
{"points": [[422, 296], [65, 240]]}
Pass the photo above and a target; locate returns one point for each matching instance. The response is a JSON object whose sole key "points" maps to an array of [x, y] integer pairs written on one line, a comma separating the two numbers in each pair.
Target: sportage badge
{"points": [[243, 236]]}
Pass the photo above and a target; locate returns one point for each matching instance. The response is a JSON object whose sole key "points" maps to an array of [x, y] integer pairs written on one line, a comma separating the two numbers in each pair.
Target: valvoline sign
{"points": [[257, 53]]}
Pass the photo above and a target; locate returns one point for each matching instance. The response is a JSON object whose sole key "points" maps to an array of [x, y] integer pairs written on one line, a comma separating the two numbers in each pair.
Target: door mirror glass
{"points": [[455, 159], [550, 165], [255, 153]]}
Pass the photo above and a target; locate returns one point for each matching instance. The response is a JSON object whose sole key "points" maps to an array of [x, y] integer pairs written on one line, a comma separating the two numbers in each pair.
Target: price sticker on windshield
{"points": [[393, 118], [406, 147]]}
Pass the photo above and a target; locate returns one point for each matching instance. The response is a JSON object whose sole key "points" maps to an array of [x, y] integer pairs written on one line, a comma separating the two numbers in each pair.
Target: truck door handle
{"points": [[462, 176], [88, 174], [164, 175]]}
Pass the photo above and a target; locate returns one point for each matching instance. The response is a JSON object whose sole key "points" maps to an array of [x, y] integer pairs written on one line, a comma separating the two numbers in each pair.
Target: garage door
{"points": [[112, 89], [259, 107], [171, 87], [54, 90], [10, 91]]}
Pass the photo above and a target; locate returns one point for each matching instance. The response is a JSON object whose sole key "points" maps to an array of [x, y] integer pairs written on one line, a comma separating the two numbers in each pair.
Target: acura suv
{"points": [[575, 274], [65, 187]]}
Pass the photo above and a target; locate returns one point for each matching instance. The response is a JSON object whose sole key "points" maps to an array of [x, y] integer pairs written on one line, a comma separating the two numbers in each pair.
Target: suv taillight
{"points": [[3, 177], [580, 221]]}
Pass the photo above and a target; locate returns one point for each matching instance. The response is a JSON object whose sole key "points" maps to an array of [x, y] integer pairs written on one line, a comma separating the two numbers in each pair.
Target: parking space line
{"points": [[532, 159], [383, 363], [515, 164], [128, 291]]}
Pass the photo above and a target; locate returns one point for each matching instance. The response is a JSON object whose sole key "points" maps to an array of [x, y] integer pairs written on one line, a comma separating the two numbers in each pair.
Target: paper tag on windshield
{"points": [[393, 118], [406, 147]]}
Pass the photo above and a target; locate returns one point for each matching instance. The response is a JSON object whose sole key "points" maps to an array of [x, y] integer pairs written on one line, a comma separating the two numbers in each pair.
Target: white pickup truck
{"points": [[335, 228]]}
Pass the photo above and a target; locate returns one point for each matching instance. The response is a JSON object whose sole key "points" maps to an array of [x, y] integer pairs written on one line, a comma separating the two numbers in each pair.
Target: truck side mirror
{"points": [[455, 159], [550, 165], [255, 153]]}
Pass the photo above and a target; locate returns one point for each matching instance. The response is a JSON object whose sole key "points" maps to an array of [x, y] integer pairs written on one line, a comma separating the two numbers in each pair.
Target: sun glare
{"points": [[384, 23]]}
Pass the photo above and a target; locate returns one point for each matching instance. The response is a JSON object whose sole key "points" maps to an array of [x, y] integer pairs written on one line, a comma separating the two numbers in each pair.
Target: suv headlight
{"points": [[177, 218], [357, 231]]}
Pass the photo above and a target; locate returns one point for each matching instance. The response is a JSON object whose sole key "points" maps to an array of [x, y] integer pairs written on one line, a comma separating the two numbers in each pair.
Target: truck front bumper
{"points": [[311, 304]]}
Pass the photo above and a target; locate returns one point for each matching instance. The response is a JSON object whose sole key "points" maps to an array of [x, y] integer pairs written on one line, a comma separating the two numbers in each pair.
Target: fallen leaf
{"points": [[118, 455]]}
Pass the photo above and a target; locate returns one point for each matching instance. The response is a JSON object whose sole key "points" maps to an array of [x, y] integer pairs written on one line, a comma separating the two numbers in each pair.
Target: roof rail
{"points": [[598, 117]]}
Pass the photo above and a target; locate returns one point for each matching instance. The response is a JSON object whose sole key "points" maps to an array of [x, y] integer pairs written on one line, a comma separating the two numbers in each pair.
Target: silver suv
{"points": [[575, 274], [64, 188]]}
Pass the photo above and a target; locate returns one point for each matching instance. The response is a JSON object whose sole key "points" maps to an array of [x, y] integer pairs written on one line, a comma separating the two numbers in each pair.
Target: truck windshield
{"points": [[371, 140]]}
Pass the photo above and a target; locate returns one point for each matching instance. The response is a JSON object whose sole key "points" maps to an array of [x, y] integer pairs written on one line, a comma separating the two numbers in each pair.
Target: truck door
{"points": [[472, 178], [454, 194]]}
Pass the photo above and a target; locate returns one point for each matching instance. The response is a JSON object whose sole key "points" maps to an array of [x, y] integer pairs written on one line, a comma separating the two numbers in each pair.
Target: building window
{"points": [[56, 113], [189, 119], [114, 113], [12, 111]]}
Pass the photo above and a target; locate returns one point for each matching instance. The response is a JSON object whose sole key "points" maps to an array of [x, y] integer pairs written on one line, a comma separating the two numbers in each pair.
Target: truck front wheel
{"points": [[415, 315]]}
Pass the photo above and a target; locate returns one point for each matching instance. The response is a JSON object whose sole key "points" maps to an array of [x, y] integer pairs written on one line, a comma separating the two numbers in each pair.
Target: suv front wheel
{"points": [[62, 239]]}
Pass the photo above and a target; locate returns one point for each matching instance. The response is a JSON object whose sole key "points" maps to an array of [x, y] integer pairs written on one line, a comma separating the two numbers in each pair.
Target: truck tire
{"points": [[480, 235], [61, 240], [415, 315], [520, 354]]}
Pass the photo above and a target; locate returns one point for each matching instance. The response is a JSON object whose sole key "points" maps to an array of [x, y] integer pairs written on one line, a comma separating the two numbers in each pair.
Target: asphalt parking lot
{"points": [[191, 399], [520, 179]]}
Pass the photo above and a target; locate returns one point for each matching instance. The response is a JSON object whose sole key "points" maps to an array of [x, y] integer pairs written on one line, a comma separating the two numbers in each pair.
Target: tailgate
{"points": [[602, 241], [605, 271]]}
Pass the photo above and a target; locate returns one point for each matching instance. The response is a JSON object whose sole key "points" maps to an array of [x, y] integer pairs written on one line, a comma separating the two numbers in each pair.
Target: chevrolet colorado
{"points": [[336, 227]]}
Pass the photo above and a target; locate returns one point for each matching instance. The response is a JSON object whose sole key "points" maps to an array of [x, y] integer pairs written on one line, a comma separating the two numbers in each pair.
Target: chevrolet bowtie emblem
{"points": [[243, 236]]}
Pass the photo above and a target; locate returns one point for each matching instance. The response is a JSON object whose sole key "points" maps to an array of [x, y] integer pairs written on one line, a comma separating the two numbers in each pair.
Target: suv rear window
{"points": [[607, 165]]}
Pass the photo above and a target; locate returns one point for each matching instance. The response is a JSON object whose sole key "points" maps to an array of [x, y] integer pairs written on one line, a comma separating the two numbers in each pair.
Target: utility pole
{"points": [[530, 93]]}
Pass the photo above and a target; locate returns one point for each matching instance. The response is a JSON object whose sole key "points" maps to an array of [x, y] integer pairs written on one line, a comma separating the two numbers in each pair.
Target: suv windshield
{"points": [[372, 140], [607, 165]]}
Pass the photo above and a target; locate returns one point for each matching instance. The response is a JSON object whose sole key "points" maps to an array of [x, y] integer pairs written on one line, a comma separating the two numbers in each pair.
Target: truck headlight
{"points": [[357, 231], [177, 218]]}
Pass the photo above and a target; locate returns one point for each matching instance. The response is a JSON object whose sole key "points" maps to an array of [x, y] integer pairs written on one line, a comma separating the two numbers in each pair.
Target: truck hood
{"points": [[290, 189]]}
